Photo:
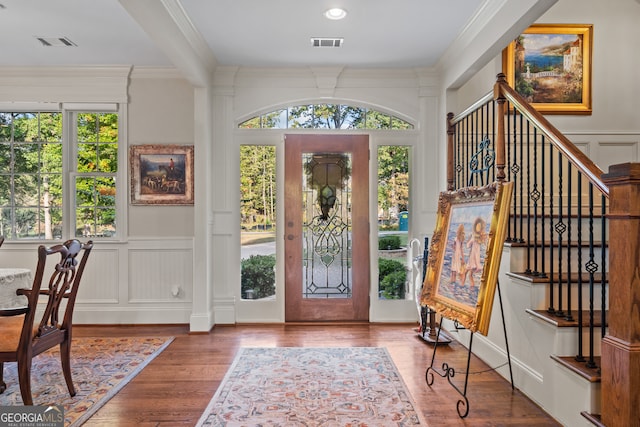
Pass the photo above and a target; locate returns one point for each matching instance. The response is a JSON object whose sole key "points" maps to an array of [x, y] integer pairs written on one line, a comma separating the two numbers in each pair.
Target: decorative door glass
{"points": [[326, 225]]}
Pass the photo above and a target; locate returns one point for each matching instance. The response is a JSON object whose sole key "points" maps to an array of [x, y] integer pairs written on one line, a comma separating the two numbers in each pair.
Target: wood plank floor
{"points": [[176, 387]]}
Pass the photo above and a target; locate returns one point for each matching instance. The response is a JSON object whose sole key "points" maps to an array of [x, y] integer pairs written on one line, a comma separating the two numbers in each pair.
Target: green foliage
{"points": [[387, 243], [257, 186], [31, 152], [392, 276], [257, 273], [393, 179], [325, 116]]}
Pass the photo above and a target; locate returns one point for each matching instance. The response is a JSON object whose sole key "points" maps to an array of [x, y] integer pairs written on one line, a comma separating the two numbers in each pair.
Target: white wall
{"points": [[611, 134]]}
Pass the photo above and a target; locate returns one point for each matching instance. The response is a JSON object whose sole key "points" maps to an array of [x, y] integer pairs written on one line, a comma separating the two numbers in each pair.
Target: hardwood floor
{"points": [[176, 387]]}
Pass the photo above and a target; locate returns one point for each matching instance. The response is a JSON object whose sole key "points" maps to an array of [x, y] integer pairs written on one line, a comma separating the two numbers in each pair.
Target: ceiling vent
{"points": [[55, 41], [327, 42]]}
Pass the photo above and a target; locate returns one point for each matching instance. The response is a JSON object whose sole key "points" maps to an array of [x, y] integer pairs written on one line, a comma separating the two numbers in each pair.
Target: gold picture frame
{"points": [[550, 66], [161, 174], [465, 252]]}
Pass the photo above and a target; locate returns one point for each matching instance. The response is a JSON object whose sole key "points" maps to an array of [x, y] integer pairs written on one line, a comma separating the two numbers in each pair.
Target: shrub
{"points": [[257, 273], [392, 286], [388, 243], [392, 276]]}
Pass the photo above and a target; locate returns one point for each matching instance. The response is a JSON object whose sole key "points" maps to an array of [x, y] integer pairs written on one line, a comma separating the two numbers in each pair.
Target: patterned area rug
{"points": [[357, 386], [100, 368]]}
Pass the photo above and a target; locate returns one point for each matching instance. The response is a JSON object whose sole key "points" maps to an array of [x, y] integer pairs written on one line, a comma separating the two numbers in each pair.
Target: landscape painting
{"points": [[550, 67]]}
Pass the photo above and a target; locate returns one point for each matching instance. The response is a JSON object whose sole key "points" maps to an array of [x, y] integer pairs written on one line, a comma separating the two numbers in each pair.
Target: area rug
{"points": [[100, 368], [355, 386]]}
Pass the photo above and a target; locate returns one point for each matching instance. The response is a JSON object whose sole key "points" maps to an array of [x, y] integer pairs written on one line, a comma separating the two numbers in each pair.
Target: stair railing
{"points": [[559, 205]]}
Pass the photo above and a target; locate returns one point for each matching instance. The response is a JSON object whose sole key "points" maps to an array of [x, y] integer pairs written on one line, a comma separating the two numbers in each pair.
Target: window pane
{"points": [[106, 189], [26, 158], [27, 223], [301, 116], [87, 157], [85, 192], [25, 190], [5, 157], [393, 220], [275, 120], [257, 220], [51, 160], [108, 127], [87, 129], [25, 126], [6, 120], [50, 127], [5, 190], [253, 123], [108, 158]]}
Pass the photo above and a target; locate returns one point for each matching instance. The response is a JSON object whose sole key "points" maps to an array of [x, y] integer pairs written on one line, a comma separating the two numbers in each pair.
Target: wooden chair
{"points": [[20, 338]]}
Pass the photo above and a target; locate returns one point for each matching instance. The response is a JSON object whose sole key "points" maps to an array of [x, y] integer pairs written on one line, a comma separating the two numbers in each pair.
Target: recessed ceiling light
{"points": [[335, 13]]}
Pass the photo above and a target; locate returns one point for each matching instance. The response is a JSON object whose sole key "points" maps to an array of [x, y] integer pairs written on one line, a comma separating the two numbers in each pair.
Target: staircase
{"points": [[557, 290]]}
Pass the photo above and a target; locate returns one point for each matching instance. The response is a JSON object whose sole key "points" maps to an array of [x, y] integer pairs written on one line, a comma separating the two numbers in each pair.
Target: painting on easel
{"points": [[465, 252]]}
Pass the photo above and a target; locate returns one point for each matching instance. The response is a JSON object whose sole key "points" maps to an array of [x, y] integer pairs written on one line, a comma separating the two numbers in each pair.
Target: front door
{"points": [[326, 228]]}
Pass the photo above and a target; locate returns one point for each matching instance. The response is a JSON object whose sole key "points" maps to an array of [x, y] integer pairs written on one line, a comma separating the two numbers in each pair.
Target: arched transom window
{"points": [[325, 116]]}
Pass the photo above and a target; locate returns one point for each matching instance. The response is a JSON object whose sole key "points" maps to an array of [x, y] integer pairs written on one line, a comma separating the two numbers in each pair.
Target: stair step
{"points": [[562, 322], [565, 277], [547, 244], [580, 367]]}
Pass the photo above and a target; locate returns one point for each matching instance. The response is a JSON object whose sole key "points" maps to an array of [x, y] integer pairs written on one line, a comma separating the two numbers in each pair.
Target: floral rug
{"points": [[100, 368], [355, 386]]}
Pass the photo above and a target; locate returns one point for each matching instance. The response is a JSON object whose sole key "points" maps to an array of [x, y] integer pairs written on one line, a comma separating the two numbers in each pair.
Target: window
{"points": [[257, 220], [34, 200], [96, 137], [393, 220], [325, 116]]}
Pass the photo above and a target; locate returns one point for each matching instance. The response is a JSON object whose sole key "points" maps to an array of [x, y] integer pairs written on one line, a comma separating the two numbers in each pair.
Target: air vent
{"points": [[55, 41], [326, 42]]}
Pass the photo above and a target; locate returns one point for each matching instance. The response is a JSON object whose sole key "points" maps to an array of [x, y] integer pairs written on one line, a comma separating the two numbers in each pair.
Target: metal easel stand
{"points": [[429, 332], [448, 372]]}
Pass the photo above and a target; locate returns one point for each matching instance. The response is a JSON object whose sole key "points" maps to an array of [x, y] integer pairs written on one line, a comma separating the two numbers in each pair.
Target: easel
{"points": [[428, 333], [449, 372]]}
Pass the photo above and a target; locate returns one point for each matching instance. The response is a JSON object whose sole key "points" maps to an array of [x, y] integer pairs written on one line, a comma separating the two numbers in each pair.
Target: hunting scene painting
{"points": [[161, 174], [550, 66], [465, 253]]}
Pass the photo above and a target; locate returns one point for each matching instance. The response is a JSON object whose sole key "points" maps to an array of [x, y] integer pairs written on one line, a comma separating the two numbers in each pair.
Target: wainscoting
{"points": [[140, 281]]}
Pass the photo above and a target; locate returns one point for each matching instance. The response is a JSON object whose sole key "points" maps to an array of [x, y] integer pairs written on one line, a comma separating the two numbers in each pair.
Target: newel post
{"points": [[500, 142], [450, 134], [621, 346]]}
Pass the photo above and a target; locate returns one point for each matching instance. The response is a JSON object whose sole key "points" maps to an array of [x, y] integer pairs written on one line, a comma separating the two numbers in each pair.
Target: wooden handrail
{"points": [[561, 142]]}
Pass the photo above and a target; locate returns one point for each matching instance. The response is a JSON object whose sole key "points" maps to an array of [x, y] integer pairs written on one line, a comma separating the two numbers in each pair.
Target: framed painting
{"points": [[465, 252], [161, 174], [550, 66]]}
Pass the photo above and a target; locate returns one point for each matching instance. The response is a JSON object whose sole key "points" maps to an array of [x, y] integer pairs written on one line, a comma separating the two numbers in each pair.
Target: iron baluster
{"points": [[591, 268], [603, 287], [551, 308], [535, 196], [560, 229], [580, 355], [528, 270], [507, 136], [521, 240], [569, 316]]}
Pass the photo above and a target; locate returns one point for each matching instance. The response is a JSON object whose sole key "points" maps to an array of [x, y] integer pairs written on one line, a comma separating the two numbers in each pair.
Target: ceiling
{"points": [[256, 33]]}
